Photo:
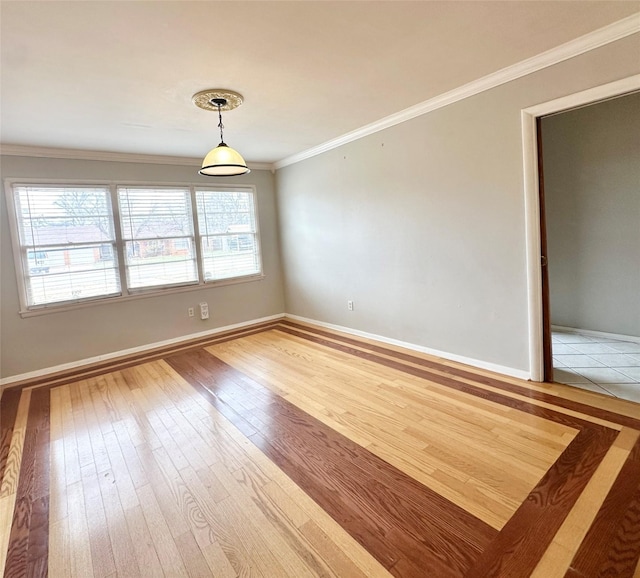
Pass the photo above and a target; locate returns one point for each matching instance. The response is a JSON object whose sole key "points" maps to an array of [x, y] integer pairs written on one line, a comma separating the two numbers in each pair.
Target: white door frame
{"points": [[532, 202]]}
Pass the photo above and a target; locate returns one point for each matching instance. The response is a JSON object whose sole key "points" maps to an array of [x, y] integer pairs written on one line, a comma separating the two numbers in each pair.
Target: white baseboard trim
{"points": [[590, 333], [510, 371], [7, 381]]}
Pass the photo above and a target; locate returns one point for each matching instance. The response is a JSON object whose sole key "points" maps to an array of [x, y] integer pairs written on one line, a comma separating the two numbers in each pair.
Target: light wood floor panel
{"points": [[145, 552], [463, 450], [292, 451], [564, 399], [192, 504], [159, 530], [9, 482]]}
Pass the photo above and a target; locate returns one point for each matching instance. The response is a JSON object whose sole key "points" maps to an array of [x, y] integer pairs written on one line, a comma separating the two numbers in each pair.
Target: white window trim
{"points": [[198, 236], [127, 294], [122, 245]]}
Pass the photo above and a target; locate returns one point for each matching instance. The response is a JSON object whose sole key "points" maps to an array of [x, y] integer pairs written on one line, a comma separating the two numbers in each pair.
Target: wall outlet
{"points": [[191, 311], [350, 305], [204, 310]]}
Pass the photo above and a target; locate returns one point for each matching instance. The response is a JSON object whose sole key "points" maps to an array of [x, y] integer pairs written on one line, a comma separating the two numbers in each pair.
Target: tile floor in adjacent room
{"points": [[608, 366]]}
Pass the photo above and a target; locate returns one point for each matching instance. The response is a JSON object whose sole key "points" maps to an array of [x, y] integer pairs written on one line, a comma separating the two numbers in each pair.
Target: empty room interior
{"points": [[320, 289]]}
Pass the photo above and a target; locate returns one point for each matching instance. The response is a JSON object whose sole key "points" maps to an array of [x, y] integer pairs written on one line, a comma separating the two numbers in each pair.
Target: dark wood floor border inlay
{"points": [[8, 411], [402, 523], [28, 549], [524, 539], [612, 545], [451, 382], [604, 414], [410, 529], [88, 372], [287, 325], [529, 532]]}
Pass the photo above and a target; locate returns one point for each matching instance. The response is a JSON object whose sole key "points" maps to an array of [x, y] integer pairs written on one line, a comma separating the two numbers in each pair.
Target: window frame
{"points": [[121, 237], [200, 235], [127, 293]]}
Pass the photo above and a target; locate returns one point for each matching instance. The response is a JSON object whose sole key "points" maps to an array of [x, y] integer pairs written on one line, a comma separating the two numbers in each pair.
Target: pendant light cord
{"points": [[220, 125]]}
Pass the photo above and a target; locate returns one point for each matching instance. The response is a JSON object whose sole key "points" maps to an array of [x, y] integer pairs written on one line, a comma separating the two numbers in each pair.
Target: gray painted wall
{"points": [[592, 190], [47, 340], [422, 225]]}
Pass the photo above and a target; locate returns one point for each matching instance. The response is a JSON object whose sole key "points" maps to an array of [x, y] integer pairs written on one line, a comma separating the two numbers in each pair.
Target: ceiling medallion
{"points": [[221, 161], [204, 98]]}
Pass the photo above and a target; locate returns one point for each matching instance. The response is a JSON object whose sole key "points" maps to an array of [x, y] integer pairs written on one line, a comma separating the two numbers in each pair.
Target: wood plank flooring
{"points": [[287, 450]]}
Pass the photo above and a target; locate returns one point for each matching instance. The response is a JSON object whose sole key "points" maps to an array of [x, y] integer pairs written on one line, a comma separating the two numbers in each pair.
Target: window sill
{"points": [[146, 294]]}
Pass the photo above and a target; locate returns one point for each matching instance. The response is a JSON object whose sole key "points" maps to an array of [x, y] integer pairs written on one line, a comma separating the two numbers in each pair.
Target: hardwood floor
{"points": [[287, 450]]}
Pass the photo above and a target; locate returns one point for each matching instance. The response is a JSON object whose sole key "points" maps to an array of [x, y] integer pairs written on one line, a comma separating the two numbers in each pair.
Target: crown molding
{"points": [[592, 40], [616, 31], [258, 166], [88, 155]]}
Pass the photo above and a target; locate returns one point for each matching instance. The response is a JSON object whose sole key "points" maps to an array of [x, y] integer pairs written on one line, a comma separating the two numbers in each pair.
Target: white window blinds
{"points": [[158, 236], [67, 243], [228, 233], [74, 243]]}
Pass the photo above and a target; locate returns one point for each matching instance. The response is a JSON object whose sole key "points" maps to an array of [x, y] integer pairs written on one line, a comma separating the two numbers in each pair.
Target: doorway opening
{"points": [[591, 209], [540, 330]]}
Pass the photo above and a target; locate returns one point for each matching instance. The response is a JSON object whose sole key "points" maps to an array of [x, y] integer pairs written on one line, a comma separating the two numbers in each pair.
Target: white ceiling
{"points": [[119, 76]]}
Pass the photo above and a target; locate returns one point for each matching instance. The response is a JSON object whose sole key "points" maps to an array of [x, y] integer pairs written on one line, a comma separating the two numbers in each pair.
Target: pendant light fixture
{"points": [[222, 161]]}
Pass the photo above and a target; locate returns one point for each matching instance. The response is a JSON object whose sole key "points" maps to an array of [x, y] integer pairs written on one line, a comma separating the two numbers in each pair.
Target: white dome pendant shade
{"points": [[222, 161]]}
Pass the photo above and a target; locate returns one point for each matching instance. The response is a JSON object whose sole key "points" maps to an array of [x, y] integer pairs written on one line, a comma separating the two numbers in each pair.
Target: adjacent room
{"points": [[319, 288], [591, 184]]}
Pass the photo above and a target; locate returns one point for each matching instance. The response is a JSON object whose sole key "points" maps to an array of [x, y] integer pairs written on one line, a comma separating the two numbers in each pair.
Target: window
{"points": [[62, 233], [77, 243], [228, 234], [157, 231]]}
